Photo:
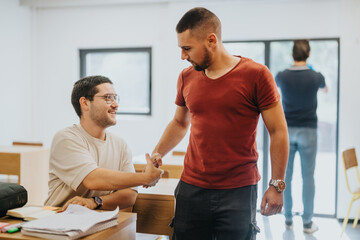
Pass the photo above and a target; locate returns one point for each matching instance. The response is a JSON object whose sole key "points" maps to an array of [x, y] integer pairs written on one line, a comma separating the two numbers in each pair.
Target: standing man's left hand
{"points": [[272, 202]]}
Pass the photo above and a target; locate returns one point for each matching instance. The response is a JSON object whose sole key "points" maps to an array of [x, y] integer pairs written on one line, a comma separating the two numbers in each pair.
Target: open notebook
{"points": [[31, 212], [77, 221]]}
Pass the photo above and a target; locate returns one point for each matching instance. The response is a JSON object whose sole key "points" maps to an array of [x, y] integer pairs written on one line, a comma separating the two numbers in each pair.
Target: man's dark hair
{"points": [[201, 20], [301, 50], [86, 87]]}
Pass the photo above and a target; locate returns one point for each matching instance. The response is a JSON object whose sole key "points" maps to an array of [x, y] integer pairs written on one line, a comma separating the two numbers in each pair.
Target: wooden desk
{"points": [[31, 165], [126, 229], [173, 164], [155, 207]]}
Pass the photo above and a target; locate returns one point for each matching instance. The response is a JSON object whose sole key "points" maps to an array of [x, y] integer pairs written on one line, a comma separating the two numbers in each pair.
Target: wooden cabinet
{"points": [[155, 207]]}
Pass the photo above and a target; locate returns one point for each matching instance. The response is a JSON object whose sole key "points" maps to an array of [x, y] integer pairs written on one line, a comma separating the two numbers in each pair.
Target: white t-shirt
{"points": [[74, 154]]}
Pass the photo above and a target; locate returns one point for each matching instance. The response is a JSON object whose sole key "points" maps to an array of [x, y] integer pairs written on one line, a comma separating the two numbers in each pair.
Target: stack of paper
{"points": [[77, 221]]}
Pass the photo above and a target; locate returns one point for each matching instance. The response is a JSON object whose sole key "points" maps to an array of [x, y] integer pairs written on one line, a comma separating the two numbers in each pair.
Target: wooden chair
{"points": [[351, 164], [38, 144], [178, 153]]}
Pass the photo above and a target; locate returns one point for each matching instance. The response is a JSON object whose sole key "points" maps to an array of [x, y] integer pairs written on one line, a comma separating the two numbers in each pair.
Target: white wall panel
{"points": [[16, 91], [39, 54]]}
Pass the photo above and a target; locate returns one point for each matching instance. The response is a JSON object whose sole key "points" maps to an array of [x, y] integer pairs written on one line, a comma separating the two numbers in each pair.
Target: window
{"points": [[130, 71], [324, 58]]}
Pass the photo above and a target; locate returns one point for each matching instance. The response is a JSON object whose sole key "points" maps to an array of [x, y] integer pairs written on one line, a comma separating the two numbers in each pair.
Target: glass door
{"points": [[324, 58]]}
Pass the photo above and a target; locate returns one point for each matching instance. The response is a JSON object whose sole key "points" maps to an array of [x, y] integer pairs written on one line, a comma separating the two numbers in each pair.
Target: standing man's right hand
{"points": [[152, 173]]}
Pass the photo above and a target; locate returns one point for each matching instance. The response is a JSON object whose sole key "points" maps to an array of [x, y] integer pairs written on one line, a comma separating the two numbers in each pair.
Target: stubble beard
{"points": [[102, 121], [205, 63]]}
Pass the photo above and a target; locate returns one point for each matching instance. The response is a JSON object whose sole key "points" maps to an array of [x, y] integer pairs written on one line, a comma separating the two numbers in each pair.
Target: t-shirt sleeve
{"points": [[180, 101], [322, 83], [70, 160], [278, 79], [267, 93]]}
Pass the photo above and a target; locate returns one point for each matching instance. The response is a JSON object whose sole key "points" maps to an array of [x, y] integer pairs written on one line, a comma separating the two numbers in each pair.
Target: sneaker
{"points": [[288, 225], [310, 228]]}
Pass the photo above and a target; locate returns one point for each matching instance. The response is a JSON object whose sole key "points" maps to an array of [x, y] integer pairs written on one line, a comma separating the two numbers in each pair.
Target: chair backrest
{"points": [[16, 143], [350, 161], [178, 153], [349, 158], [165, 174]]}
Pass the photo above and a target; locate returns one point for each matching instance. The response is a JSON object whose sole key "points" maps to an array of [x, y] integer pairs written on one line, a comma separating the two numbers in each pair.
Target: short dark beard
{"points": [[205, 63]]}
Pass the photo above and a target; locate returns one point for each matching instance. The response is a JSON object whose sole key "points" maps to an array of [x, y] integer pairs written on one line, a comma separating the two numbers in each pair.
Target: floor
{"points": [[273, 228]]}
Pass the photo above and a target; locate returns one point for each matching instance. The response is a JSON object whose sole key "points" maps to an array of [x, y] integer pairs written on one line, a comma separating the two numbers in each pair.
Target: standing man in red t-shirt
{"points": [[222, 97]]}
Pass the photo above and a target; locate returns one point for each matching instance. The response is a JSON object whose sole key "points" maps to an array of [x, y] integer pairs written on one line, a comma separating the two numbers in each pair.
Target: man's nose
{"points": [[115, 104], [184, 56]]}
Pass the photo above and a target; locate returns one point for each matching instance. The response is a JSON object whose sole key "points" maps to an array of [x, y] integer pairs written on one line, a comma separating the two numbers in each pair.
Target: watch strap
{"points": [[279, 184], [98, 201]]}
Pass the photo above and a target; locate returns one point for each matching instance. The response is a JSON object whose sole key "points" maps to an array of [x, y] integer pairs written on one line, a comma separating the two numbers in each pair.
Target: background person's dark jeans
{"points": [[208, 214]]}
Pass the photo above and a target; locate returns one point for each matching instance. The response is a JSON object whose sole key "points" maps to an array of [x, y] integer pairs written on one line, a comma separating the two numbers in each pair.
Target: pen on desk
{"points": [[3, 224]]}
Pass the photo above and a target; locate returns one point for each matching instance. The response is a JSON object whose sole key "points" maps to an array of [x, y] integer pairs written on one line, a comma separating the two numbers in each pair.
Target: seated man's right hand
{"points": [[152, 173]]}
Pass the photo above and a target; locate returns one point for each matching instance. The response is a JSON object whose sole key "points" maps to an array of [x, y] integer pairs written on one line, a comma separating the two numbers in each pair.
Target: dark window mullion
{"points": [[266, 148]]}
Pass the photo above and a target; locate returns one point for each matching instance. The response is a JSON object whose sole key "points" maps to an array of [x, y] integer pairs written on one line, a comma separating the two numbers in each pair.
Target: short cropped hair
{"points": [[301, 50], [86, 87], [201, 21]]}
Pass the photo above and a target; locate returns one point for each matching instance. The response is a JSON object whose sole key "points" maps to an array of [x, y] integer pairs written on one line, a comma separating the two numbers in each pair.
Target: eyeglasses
{"points": [[110, 98]]}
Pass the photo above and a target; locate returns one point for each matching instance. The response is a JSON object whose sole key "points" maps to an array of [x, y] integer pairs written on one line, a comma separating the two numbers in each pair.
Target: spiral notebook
{"points": [[77, 221]]}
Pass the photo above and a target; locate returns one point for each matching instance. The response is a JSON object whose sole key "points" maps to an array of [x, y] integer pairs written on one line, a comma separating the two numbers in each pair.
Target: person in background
{"points": [[90, 166], [299, 86], [222, 96]]}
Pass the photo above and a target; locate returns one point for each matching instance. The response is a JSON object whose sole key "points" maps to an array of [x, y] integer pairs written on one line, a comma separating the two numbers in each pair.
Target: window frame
{"points": [[82, 58]]}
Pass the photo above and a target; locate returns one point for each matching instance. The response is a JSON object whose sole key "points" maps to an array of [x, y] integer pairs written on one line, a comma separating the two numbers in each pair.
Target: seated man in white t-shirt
{"points": [[88, 165]]}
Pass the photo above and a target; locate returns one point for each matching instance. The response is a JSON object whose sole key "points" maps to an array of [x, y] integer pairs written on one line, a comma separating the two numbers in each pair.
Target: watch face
{"points": [[281, 185], [98, 202]]}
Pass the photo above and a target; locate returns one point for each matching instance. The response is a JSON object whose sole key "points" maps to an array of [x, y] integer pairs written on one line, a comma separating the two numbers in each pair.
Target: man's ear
{"points": [[212, 39], [84, 104]]}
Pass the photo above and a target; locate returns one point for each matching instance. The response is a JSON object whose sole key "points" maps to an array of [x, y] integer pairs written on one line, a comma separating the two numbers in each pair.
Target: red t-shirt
{"points": [[224, 114]]}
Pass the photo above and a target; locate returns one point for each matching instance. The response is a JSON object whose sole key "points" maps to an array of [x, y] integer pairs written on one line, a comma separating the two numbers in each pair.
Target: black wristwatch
{"points": [[98, 201]]}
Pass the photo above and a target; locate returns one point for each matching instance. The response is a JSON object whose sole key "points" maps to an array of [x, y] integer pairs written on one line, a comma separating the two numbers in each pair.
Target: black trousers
{"points": [[215, 214]]}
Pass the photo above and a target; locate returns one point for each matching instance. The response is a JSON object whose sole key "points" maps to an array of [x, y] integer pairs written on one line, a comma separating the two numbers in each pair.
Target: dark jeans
{"points": [[209, 214]]}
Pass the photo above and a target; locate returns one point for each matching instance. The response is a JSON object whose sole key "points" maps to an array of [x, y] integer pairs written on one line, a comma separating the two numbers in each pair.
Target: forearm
{"points": [[279, 152], [172, 135], [123, 198], [102, 179]]}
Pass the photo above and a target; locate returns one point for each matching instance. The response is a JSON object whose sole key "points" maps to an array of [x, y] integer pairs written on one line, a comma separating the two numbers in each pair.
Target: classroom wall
{"points": [[45, 38], [15, 72], [61, 31]]}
